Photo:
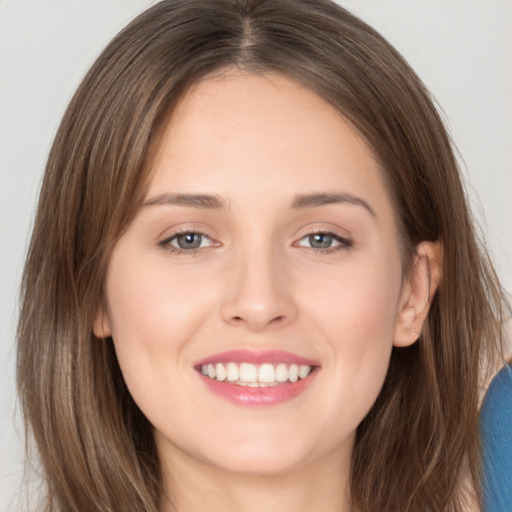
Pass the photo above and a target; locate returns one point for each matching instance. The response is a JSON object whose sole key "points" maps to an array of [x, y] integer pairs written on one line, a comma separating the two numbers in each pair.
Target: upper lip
{"points": [[256, 357]]}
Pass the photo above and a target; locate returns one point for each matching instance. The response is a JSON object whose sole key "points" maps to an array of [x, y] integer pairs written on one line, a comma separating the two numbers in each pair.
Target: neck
{"points": [[195, 486]]}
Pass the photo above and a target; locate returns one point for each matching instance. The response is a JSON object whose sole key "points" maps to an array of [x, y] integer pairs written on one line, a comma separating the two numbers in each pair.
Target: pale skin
{"points": [[265, 151]]}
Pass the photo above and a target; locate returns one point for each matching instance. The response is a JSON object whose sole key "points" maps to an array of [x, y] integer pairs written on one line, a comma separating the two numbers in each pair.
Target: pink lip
{"points": [[271, 395], [256, 357], [244, 395]]}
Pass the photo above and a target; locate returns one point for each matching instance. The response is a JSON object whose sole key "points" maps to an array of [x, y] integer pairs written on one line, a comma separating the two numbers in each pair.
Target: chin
{"points": [[260, 464]]}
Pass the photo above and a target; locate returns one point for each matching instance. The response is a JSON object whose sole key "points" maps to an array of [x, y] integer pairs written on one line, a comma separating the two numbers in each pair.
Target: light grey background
{"points": [[460, 48]]}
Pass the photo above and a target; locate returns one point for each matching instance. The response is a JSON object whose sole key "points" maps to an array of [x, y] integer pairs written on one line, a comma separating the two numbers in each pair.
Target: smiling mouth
{"points": [[254, 375]]}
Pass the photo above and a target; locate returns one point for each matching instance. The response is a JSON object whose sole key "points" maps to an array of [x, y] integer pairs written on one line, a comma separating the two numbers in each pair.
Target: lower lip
{"points": [[269, 395]]}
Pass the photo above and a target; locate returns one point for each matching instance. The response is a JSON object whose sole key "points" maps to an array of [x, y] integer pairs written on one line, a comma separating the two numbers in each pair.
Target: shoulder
{"points": [[497, 405], [496, 428]]}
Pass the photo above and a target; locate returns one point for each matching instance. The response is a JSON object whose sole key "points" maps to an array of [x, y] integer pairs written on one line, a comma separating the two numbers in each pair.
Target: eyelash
{"points": [[344, 243]]}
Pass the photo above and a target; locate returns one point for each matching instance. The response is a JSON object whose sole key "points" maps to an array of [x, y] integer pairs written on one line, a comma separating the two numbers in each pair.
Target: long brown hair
{"points": [[419, 443]]}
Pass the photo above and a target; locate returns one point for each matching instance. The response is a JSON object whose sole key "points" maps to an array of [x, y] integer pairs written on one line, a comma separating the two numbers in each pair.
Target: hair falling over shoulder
{"points": [[418, 448]]}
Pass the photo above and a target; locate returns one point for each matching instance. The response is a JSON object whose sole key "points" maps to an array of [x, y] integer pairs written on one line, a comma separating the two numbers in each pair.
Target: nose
{"points": [[259, 294]]}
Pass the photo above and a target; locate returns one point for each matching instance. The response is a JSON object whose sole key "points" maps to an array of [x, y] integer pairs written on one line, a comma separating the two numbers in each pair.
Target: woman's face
{"points": [[266, 256]]}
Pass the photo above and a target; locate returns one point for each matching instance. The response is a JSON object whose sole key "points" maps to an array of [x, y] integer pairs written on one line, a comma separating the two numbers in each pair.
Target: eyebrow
{"points": [[204, 201], [303, 201], [299, 202]]}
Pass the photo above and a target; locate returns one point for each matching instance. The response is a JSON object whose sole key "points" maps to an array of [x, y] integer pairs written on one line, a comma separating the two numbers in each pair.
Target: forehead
{"points": [[235, 129]]}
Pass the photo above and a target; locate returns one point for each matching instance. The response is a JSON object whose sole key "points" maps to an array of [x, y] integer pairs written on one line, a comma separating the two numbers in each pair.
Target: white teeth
{"points": [[220, 372], [293, 373], [233, 373], [304, 371], [281, 372], [247, 374], [266, 373]]}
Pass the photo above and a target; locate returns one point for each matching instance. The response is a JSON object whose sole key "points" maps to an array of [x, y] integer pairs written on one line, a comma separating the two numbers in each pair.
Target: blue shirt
{"points": [[496, 426]]}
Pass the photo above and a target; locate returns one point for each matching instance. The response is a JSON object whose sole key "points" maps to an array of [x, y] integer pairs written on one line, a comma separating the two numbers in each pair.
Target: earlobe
{"points": [[101, 327], [418, 291]]}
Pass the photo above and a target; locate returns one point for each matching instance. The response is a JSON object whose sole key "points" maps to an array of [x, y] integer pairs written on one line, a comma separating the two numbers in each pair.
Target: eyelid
{"points": [[185, 231]]}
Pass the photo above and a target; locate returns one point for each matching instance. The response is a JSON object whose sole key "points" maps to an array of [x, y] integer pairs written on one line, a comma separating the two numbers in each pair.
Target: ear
{"points": [[418, 290], [101, 327]]}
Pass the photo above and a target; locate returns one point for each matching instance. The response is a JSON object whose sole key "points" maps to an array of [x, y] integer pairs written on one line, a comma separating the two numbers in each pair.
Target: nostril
{"points": [[276, 320]]}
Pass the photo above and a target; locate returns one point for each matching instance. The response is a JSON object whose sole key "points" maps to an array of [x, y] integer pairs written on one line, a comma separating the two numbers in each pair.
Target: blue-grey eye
{"points": [[324, 241], [320, 241], [188, 241]]}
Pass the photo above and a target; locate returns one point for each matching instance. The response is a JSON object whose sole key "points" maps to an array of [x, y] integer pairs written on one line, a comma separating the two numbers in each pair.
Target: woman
{"points": [[253, 281]]}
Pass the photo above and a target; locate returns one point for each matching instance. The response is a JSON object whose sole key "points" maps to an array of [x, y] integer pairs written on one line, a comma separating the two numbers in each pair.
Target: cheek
{"points": [[153, 315], [357, 314], [358, 301], [150, 302]]}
